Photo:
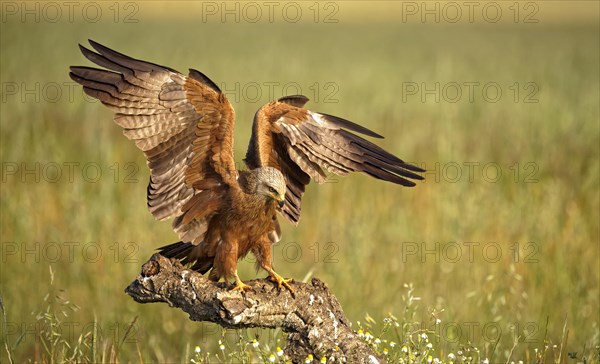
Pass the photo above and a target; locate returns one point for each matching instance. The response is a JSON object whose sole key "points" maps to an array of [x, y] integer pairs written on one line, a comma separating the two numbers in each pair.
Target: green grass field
{"points": [[500, 243]]}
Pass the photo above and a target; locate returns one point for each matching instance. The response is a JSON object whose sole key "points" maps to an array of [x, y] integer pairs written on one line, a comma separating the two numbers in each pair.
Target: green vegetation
{"points": [[500, 243]]}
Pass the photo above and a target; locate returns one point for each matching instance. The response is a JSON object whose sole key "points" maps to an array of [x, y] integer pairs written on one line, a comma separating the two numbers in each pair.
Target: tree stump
{"points": [[313, 318]]}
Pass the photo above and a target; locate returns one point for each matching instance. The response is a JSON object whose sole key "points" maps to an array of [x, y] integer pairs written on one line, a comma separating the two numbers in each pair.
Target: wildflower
{"points": [[429, 346], [323, 360], [429, 358], [424, 336], [309, 359], [272, 358], [385, 351], [197, 350], [451, 356], [255, 343], [221, 346], [438, 321], [404, 349], [361, 333], [368, 336], [486, 361], [392, 344], [279, 351], [377, 341]]}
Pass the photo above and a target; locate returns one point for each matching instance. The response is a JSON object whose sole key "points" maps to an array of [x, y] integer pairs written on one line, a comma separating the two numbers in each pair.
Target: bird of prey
{"points": [[184, 125]]}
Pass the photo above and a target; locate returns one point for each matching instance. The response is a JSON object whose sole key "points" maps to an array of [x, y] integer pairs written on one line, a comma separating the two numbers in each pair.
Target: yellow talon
{"points": [[276, 278], [241, 286]]}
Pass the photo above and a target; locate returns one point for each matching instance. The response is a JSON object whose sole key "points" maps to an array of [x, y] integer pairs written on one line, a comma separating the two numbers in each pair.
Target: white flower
{"points": [[272, 358], [405, 349], [255, 343], [197, 349], [429, 346], [451, 356], [486, 361], [424, 336], [279, 351]]}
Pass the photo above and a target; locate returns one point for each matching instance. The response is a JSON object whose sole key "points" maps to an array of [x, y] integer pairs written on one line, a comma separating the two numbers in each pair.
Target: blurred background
{"points": [[499, 101]]}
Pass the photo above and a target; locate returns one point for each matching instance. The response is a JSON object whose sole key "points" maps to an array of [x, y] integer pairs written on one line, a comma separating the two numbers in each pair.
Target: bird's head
{"points": [[271, 184]]}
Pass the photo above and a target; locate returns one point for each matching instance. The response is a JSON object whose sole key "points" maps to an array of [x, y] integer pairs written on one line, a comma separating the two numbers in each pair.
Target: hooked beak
{"points": [[281, 201]]}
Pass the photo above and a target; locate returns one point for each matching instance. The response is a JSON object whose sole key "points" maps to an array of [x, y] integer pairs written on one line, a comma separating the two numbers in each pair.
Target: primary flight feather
{"points": [[184, 125]]}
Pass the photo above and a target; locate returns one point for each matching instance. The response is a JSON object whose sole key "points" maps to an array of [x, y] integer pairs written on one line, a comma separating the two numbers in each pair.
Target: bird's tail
{"points": [[185, 253]]}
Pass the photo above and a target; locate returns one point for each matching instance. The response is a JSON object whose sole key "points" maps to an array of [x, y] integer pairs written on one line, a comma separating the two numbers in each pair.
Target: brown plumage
{"points": [[184, 125]]}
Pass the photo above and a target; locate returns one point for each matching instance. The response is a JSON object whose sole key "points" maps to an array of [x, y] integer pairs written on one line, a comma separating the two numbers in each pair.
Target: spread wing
{"points": [[302, 144], [183, 124]]}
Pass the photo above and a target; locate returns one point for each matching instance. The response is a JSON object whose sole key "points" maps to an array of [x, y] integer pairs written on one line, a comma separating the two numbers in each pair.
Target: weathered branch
{"points": [[313, 319]]}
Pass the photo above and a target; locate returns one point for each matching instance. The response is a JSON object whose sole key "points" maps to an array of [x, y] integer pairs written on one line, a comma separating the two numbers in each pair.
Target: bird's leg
{"points": [[225, 262], [239, 285], [264, 257]]}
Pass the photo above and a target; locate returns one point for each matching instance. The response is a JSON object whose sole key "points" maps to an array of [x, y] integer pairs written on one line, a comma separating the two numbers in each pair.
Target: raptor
{"points": [[184, 125]]}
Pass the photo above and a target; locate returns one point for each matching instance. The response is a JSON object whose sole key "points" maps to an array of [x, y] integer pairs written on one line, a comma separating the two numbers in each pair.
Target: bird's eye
{"points": [[272, 190]]}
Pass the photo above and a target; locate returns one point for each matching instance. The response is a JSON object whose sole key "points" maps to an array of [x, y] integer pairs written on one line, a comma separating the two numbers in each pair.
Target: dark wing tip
{"points": [[86, 51], [414, 168], [347, 124], [294, 100], [102, 49], [201, 77]]}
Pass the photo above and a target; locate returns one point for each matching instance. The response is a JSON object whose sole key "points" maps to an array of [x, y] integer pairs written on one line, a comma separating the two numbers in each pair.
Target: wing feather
{"points": [[184, 126], [302, 144]]}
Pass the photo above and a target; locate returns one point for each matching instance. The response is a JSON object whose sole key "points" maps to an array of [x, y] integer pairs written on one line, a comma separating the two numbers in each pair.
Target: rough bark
{"points": [[313, 318]]}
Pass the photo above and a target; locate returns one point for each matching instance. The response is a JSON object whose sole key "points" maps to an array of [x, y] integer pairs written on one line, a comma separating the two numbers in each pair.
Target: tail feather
{"points": [[182, 251]]}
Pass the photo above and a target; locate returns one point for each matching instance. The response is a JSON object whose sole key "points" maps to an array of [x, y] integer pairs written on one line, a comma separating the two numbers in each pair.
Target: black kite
{"points": [[184, 125]]}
